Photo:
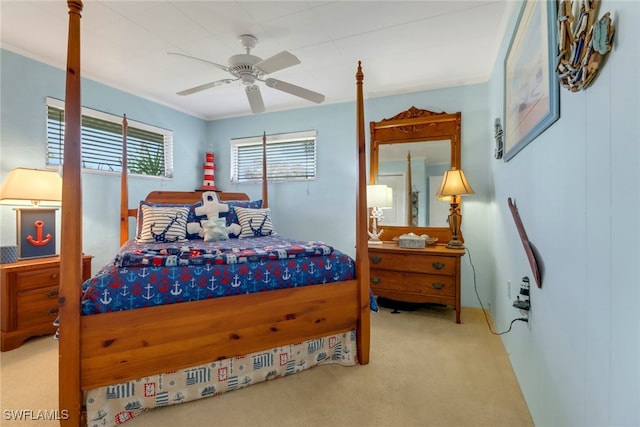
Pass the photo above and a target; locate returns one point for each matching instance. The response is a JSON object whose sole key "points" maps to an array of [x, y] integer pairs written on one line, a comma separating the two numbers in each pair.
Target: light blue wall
{"points": [[24, 87], [577, 188]]}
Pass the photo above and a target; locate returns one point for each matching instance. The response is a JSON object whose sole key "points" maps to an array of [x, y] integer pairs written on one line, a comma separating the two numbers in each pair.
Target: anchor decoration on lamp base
{"points": [[36, 232], [378, 197], [209, 167]]}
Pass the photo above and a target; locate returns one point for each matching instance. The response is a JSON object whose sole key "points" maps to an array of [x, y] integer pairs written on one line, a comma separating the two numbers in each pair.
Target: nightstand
{"points": [[29, 298], [424, 275]]}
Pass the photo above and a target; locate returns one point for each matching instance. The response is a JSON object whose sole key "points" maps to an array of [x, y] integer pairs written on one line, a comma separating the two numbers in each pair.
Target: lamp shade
{"points": [[31, 185], [454, 183], [379, 196]]}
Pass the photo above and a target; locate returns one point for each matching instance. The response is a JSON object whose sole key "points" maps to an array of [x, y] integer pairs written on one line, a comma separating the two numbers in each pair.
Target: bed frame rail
{"points": [[111, 353]]}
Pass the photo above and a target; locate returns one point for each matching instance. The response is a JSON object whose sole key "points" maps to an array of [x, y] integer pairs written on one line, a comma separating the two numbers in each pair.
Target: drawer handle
{"points": [[52, 294], [54, 276], [53, 311], [376, 280], [438, 265], [438, 285], [376, 259]]}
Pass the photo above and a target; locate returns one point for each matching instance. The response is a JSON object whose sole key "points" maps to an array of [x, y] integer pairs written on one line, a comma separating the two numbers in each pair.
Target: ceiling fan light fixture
{"points": [[249, 68], [247, 79]]}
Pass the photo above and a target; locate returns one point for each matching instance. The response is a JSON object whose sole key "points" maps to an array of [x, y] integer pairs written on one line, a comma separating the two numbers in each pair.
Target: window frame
{"points": [[276, 147], [111, 168]]}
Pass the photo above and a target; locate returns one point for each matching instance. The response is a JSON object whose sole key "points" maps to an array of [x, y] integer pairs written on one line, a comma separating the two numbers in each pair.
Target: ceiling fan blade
{"points": [[277, 62], [222, 67], [255, 98], [295, 90], [205, 86]]}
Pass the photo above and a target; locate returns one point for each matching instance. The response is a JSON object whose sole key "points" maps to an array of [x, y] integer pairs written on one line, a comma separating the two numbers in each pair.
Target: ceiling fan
{"points": [[249, 69]]}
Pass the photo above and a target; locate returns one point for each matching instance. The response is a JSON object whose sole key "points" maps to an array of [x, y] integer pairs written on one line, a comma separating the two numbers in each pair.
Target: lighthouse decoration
{"points": [[209, 167]]}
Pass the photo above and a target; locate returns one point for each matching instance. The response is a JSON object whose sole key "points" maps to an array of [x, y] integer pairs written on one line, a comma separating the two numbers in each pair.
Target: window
{"points": [[290, 157], [149, 148]]}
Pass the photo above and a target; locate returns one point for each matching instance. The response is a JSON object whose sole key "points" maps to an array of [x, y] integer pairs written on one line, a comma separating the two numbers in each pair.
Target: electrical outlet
{"points": [[509, 289]]}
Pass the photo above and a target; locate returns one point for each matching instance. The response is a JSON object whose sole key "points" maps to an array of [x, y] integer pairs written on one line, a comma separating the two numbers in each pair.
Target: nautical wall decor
{"points": [[583, 43]]}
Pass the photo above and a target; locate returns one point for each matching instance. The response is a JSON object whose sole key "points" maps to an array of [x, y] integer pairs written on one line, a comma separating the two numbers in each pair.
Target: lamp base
{"points": [[455, 244], [375, 242], [36, 232]]}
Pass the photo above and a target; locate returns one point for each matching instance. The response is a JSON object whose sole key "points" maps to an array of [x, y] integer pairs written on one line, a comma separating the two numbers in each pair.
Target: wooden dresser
{"points": [[424, 275], [29, 298]]}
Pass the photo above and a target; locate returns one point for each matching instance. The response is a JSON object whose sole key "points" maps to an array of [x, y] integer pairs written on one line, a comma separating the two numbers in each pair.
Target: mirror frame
{"points": [[415, 125]]}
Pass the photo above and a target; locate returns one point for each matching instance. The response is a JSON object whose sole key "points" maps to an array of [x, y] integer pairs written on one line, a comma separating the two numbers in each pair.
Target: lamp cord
{"points": [[486, 318]]}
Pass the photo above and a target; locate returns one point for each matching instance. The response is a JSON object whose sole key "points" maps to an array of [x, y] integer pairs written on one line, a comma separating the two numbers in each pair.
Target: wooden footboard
{"points": [[132, 344]]}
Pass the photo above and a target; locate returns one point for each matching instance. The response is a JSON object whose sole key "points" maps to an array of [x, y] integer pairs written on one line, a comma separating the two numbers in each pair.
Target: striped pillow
{"points": [[232, 217], [163, 224], [140, 215], [254, 222]]}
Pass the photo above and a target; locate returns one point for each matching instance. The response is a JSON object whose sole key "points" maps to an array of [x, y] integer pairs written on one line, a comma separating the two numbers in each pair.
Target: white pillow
{"points": [[163, 224], [254, 222], [214, 229]]}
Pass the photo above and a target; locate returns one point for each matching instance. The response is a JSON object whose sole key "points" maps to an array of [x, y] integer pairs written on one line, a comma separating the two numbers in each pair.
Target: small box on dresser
{"points": [[29, 298], [427, 275]]}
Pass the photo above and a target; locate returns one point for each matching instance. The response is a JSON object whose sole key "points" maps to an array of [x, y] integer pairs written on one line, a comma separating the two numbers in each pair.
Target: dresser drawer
{"points": [[29, 298], [416, 264], [37, 307], [422, 284], [26, 280]]}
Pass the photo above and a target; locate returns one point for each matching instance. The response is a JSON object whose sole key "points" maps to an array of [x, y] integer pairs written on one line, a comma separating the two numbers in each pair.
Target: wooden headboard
{"points": [[180, 197], [192, 197]]}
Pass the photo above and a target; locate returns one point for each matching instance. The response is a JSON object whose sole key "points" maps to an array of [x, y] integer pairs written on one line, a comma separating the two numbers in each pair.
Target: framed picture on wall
{"points": [[531, 90]]}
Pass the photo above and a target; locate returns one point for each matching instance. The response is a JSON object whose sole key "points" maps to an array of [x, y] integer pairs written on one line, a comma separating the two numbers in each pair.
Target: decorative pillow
{"points": [[214, 229], [140, 217], [254, 222], [232, 217], [161, 224]]}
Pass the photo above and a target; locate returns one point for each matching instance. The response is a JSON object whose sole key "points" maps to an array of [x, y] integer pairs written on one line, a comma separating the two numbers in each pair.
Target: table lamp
{"points": [[454, 184], [36, 226], [378, 197]]}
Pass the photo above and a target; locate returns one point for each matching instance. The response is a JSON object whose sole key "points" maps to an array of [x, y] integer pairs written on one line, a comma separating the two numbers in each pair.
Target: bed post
{"points": [[70, 394], [265, 192], [124, 188], [362, 249], [409, 190]]}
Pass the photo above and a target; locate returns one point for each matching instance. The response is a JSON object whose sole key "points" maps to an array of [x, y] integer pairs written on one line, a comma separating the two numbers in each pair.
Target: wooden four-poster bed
{"points": [[112, 347]]}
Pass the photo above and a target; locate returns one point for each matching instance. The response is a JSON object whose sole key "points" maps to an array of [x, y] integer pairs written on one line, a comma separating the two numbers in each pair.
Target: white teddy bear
{"points": [[211, 207]]}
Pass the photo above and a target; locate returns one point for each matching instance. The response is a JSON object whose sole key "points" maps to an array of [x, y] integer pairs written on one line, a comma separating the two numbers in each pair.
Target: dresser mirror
{"points": [[410, 152]]}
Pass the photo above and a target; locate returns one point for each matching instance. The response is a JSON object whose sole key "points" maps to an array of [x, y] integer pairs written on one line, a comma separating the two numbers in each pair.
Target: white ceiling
{"points": [[404, 46]]}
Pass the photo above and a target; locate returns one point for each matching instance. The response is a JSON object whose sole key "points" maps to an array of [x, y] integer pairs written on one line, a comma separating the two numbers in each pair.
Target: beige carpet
{"points": [[424, 371]]}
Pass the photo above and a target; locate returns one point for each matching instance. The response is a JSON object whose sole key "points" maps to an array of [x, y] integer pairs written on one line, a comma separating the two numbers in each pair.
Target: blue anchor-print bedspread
{"points": [[143, 275]]}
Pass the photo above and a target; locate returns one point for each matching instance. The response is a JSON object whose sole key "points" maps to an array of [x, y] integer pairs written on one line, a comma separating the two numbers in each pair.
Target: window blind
{"points": [[290, 157], [149, 149]]}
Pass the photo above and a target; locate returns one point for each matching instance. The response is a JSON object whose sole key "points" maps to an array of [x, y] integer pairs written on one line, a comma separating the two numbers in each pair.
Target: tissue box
{"points": [[412, 241], [8, 254]]}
